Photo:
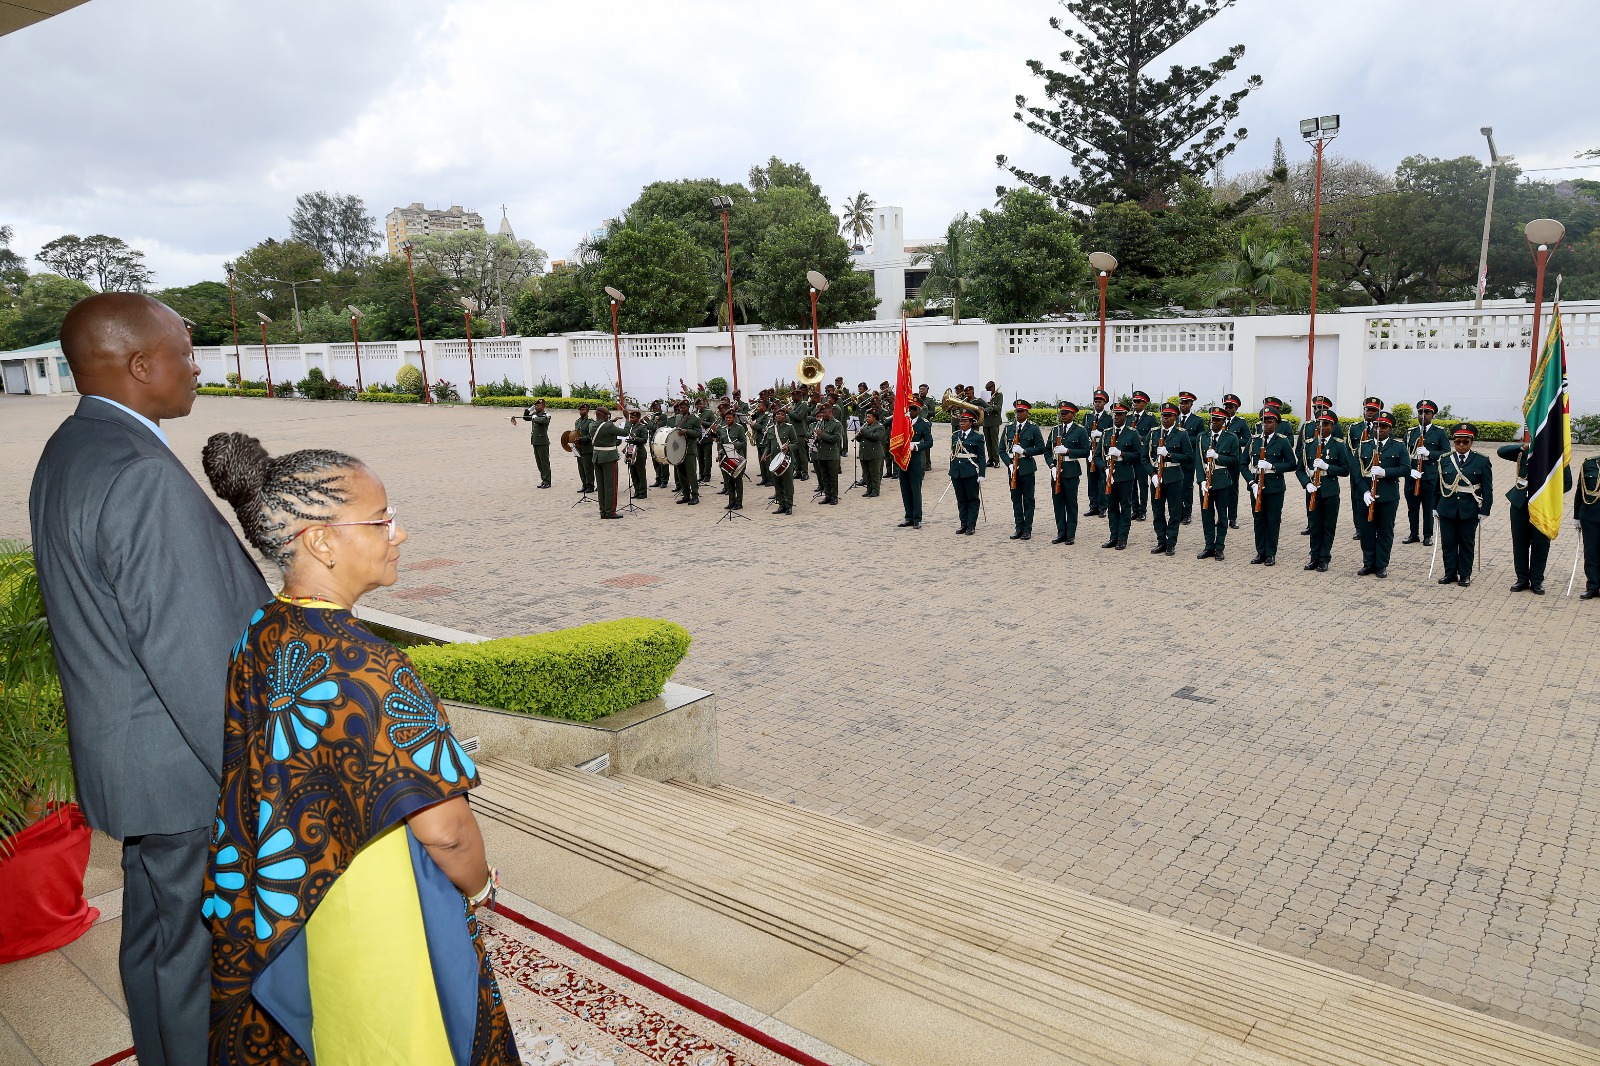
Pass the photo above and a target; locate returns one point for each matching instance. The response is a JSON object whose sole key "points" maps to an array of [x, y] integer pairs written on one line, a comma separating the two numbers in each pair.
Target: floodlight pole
{"points": [[355, 335], [472, 370], [233, 310], [727, 259], [1105, 276], [1488, 216], [422, 352], [616, 341], [1316, 255]]}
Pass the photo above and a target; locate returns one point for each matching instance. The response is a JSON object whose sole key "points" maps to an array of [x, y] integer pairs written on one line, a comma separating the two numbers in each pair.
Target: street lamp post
{"points": [[616, 339], [724, 204], [1318, 132], [1543, 236], [266, 356], [294, 294], [818, 284], [233, 310], [1104, 263], [1488, 215], [355, 335], [472, 370], [422, 352]]}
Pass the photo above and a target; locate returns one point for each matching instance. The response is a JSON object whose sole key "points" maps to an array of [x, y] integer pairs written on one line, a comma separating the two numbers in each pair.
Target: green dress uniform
{"points": [[1277, 450], [708, 439], [689, 425], [911, 476], [1422, 493], [758, 429], [662, 470], [1377, 536], [967, 466], [830, 443], [1357, 435], [1172, 472], [871, 441], [539, 437], [1466, 496], [1096, 420], [1143, 423], [1027, 436], [1217, 477], [1586, 509], [1242, 433], [639, 437], [1065, 480], [994, 416], [584, 446], [732, 440], [1194, 426], [1530, 549], [800, 418], [1122, 484], [1323, 516], [607, 453], [782, 438]]}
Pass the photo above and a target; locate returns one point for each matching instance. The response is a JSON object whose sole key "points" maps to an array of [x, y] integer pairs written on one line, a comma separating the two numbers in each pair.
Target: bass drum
{"points": [[658, 443], [677, 446], [732, 465]]}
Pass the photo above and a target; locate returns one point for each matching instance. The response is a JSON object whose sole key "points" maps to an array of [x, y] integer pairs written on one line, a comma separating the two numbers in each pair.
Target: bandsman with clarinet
{"points": [[1021, 442], [1096, 422], [1219, 464], [538, 420], [1069, 446], [1466, 496], [606, 453], [1324, 459], [1382, 464], [967, 466], [1427, 443], [733, 439], [871, 442], [1586, 510], [1192, 424], [1117, 456], [1168, 459]]}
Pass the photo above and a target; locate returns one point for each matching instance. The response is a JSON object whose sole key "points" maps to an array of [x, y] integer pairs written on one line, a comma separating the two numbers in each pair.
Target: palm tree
{"points": [[858, 218], [1259, 272], [950, 268]]}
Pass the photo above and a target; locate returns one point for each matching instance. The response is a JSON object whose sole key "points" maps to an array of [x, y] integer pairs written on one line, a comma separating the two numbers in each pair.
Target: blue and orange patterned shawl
{"points": [[330, 738]]}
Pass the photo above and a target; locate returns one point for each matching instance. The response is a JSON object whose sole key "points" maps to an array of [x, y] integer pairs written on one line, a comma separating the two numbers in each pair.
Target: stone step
{"points": [[1079, 978]]}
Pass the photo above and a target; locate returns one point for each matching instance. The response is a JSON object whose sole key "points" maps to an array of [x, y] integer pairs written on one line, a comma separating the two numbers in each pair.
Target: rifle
{"points": [[1161, 464], [1416, 482], [1316, 478], [1211, 464], [1261, 477], [1016, 460], [1111, 460], [1377, 453]]}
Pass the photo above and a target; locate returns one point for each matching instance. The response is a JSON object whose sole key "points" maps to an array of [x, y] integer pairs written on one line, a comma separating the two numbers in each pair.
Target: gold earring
{"points": [[330, 564]]}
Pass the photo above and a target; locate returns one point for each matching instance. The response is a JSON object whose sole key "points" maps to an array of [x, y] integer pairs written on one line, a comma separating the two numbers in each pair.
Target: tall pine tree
{"points": [[1130, 136]]}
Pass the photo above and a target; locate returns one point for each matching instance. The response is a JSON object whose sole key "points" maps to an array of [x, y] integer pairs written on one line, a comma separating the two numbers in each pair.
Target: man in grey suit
{"points": [[146, 589]]}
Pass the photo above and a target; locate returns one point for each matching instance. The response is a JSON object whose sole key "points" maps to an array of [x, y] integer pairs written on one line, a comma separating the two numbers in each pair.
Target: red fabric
{"points": [[41, 886], [900, 425]]}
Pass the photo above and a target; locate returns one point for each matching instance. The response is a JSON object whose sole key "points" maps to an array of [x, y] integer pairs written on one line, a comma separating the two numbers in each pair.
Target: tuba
{"points": [[809, 371], [953, 403]]}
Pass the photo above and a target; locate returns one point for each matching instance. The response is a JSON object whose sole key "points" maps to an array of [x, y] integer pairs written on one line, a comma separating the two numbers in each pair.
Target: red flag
{"points": [[900, 426]]}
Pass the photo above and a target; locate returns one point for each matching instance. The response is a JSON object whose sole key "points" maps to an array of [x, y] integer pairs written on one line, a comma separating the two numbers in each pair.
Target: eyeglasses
{"points": [[387, 520]]}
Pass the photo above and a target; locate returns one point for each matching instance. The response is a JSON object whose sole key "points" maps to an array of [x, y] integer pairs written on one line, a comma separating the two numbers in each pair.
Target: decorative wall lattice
{"points": [[1124, 337]]}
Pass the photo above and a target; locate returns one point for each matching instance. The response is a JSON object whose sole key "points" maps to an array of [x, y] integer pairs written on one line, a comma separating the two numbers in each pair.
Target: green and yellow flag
{"points": [[1549, 432]]}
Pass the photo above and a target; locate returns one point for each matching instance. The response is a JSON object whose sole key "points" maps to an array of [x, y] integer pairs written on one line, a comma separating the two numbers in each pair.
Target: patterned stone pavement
{"points": [[1392, 778]]}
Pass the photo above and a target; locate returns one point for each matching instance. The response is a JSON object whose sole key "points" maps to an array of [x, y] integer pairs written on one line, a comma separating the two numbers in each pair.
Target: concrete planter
{"points": [[673, 736]]}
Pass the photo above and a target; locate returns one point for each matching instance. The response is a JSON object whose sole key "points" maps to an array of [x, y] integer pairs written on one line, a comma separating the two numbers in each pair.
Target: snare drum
{"points": [[779, 465], [732, 465], [630, 452]]}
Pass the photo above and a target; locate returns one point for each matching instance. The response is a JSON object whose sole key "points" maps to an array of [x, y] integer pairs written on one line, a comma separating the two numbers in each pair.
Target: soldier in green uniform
{"points": [[1020, 442], [1095, 422], [688, 427], [733, 439], [1168, 457], [781, 436], [1323, 461], [1069, 445], [584, 446], [1271, 456], [1310, 429], [1381, 463], [606, 452], [760, 420], [1466, 496], [994, 416], [800, 416], [709, 420], [967, 466], [1192, 424], [916, 467], [656, 420], [538, 420], [1143, 423], [638, 435], [1586, 509], [1117, 454], [1426, 442], [1357, 435], [738, 403], [1241, 435], [1219, 460], [1530, 549], [830, 444], [871, 441]]}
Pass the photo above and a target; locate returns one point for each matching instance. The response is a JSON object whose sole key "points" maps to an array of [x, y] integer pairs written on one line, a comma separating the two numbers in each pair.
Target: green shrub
{"points": [[317, 386], [35, 766], [1586, 429], [1487, 431], [205, 391], [717, 386], [408, 380], [283, 388], [546, 388], [585, 391], [231, 378], [444, 391], [506, 387], [578, 674], [1404, 418], [388, 397], [552, 403]]}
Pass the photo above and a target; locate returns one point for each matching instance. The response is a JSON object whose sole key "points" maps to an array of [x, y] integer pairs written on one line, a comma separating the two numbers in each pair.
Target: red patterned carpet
{"points": [[571, 1006]]}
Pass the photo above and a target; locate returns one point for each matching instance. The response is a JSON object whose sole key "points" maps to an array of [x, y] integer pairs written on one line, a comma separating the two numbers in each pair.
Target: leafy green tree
{"points": [[1257, 272], [108, 263], [13, 267], [950, 268], [260, 273], [43, 302], [205, 303], [780, 175], [384, 293], [481, 265], [559, 302], [1128, 135], [858, 218], [336, 225], [1161, 254], [780, 288], [664, 275], [1026, 260]]}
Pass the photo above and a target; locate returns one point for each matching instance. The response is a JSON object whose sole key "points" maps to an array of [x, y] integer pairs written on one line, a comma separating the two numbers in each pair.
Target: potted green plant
{"points": [[44, 841]]}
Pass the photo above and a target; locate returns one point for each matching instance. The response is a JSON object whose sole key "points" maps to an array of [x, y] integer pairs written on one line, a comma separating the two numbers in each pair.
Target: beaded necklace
{"points": [[311, 601]]}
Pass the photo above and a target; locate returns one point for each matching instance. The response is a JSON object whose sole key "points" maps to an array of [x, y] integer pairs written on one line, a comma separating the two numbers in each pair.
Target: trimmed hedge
{"points": [[388, 397], [214, 390], [579, 674], [551, 403]]}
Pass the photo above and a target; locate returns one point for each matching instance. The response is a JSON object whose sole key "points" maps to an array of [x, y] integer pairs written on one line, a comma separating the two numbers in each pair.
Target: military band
{"points": [[733, 440]]}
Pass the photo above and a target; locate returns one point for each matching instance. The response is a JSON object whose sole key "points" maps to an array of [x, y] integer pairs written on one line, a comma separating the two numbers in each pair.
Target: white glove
{"points": [[980, 479], [1060, 449], [1211, 453], [1481, 518], [1154, 480], [1377, 471], [1016, 449], [914, 445], [1320, 464], [1416, 475], [1115, 453], [1422, 453], [1094, 434], [1264, 466], [1161, 450], [1311, 490], [1255, 490], [1366, 498]]}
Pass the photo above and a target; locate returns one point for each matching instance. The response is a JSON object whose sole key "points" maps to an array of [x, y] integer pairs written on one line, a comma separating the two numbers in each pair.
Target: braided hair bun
{"points": [[271, 493], [236, 465]]}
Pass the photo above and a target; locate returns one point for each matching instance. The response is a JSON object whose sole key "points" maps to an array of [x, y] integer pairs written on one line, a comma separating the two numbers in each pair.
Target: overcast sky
{"points": [[187, 127]]}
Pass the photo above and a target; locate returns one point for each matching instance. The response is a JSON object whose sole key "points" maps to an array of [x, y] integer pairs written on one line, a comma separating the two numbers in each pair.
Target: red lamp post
{"points": [[355, 335], [1104, 263], [818, 284], [266, 356], [422, 352], [616, 339], [1317, 132], [472, 370], [238, 361], [1543, 236], [724, 204]]}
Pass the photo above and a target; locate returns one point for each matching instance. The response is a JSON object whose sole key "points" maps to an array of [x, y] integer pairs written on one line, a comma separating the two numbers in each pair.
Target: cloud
{"points": [[188, 127]]}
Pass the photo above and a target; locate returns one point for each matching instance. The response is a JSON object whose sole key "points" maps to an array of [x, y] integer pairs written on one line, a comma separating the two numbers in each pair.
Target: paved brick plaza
{"points": [[1389, 777]]}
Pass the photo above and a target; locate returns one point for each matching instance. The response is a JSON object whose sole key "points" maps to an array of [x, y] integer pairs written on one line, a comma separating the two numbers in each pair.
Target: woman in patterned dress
{"points": [[346, 864]]}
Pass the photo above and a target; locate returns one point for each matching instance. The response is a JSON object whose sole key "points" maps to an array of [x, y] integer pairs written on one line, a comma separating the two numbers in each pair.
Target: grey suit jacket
{"points": [[147, 589]]}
